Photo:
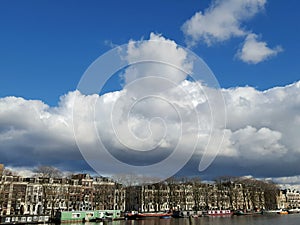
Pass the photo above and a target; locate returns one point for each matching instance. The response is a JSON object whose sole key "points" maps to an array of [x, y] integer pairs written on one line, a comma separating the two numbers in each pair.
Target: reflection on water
{"points": [[235, 220], [293, 219]]}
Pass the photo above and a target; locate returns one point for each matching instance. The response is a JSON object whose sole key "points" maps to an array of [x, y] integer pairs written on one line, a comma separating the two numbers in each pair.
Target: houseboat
{"points": [[292, 211], [218, 213], [246, 213], [268, 212], [87, 216], [24, 219], [136, 215], [283, 212]]}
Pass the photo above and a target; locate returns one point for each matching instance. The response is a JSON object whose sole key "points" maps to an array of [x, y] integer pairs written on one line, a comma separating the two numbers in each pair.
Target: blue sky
{"points": [[47, 45], [251, 46]]}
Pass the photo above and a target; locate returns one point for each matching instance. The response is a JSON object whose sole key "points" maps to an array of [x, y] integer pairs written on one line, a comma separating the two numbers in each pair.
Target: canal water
{"points": [[291, 219]]}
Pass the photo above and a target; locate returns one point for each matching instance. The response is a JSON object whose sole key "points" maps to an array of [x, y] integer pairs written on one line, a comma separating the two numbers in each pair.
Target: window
{"points": [[75, 215], [90, 214]]}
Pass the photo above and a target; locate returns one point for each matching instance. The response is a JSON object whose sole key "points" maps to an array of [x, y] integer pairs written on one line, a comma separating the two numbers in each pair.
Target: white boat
{"points": [[276, 211], [291, 211], [219, 213]]}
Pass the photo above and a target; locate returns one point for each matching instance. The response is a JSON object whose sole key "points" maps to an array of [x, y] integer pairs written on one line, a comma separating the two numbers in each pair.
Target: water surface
{"points": [[291, 219]]}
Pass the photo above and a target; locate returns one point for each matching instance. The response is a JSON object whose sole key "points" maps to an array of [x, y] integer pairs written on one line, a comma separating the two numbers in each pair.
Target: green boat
{"points": [[85, 216]]}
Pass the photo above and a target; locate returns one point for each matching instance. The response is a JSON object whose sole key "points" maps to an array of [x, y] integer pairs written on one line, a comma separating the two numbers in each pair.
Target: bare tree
{"points": [[259, 193], [46, 175], [2, 192], [9, 172], [48, 172], [197, 194], [227, 184], [172, 183], [271, 191]]}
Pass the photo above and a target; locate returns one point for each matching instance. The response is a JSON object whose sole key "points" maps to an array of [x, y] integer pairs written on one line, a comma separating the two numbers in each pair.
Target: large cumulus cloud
{"points": [[261, 136]]}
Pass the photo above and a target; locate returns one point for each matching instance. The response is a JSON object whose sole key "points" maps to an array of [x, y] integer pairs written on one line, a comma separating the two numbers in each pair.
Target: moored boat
{"points": [[218, 213], [177, 214], [166, 217], [136, 215], [242, 213], [292, 211], [153, 215], [283, 212], [276, 211], [131, 215], [24, 219], [87, 216]]}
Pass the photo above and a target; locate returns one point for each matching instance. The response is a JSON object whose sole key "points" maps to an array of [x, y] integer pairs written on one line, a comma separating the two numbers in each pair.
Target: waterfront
{"points": [[292, 219]]}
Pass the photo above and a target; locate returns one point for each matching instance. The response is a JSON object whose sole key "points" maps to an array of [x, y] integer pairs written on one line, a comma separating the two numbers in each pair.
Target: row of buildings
{"points": [[38, 195], [289, 199], [46, 195]]}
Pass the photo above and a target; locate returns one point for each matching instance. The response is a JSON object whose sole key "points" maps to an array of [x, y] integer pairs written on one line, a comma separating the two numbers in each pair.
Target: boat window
{"points": [[75, 215]]}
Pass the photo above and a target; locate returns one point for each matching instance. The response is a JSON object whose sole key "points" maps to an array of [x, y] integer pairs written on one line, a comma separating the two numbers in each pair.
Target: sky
{"points": [[251, 47]]}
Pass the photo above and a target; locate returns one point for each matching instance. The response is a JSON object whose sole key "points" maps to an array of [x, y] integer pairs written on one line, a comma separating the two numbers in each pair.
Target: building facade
{"points": [[80, 192], [289, 199], [19, 195], [197, 196]]}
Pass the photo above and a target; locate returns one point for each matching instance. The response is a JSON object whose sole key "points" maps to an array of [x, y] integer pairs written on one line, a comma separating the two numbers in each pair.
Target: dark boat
{"points": [[242, 213], [166, 217], [131, 216], [177, 214]]}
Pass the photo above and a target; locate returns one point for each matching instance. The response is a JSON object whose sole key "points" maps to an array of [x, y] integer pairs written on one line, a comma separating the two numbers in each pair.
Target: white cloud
{"points": [[261, 133], [262, 128], [288, 180], [254, 51], [221, 21], [162, 58], [256, 144], [21, 171]]}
